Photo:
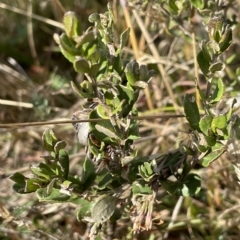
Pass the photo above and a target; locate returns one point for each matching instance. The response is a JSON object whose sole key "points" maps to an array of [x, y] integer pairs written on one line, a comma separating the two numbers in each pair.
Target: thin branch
{"points": [[29, 124], [195, 55], [176, 210]]}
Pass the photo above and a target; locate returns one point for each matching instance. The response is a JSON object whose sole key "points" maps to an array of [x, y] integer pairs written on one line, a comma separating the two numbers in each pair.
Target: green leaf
{"points": [[134, 167], [227, 40], [211, 139], [60, 145], [199, 4], [81, 65], [169, 186], [203, 63], [206, 141], [132, 72], [148, 167], [84, 209], [53, 197], [81, 92], [219, 122], [55, 169], [206, 53], [119, 109], [104, 180], [95, 69], [87, 37], [173, 7], [18, 178], [186, 168], [143, 73], [95, 56], [146, 171], [71, 24], [94, 149], [133, 133], [171, 159], [203, 148], [19, 188], [94, 17], [67, 47], [218, 92], [64, 161], [101, 129], [141, 188], [107, 131], [216, 152], [110, 86], [42, 170], [215, 29], [213, 47], [103, 111], [103, 209], [88, 173], [205, 124], [192, 112], [33, 184], [87, 88], [88, 49], [50, 186], [218, 66], [191, 185], [49, 140], [127, 94]]}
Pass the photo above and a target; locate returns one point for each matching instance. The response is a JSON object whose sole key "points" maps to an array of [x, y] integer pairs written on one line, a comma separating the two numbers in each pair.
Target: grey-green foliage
{"points": [[112, 173]]}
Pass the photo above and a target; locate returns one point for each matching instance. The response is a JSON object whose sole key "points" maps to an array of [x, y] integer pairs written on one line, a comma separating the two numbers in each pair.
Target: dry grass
{"points": [[36, 87]]}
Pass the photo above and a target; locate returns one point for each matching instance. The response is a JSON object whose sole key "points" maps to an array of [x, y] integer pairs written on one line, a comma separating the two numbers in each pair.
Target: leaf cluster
{"points": [[113, 178]]}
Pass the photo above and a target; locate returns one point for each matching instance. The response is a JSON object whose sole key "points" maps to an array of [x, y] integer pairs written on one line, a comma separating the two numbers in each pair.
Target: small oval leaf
{"points": [[53, 197], [71, 24], [203, 63], [60, 145], [64, 161], [192, 112], [205, 124], [219, 122], [81, 65], [103, 209], [227, 40], [218, 92], [218, 66], [49, 140], [217, 151], [106, 131]]}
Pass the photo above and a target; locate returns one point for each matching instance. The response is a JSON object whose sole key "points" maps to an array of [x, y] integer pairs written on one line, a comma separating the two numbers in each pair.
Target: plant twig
{"points": [[195, 56], [174, 215], [29, 124]]}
